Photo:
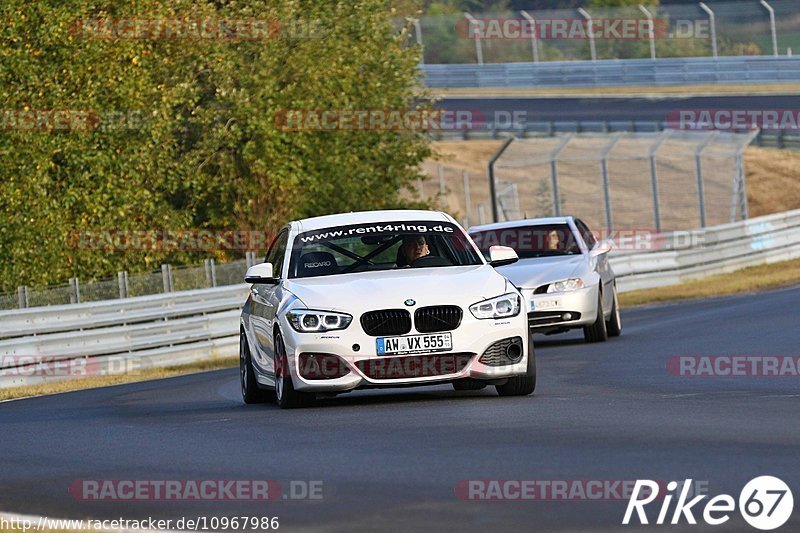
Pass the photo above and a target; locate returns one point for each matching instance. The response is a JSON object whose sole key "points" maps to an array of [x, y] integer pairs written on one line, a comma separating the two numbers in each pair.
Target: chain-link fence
{"points": [[670, 180], [748, 27], [167, 279]]}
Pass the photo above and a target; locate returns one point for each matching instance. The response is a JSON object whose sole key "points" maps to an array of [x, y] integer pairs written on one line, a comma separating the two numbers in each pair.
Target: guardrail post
{"points": [[22, 296], [211, 272], [654, 177], [534, 39], [440, 172], [166, 277], [712, 20], [122, 279], [698, 159], [652, 31], [75, 297], [476, 31], [772, 27], [604, 172], [739, 203], [418, 35], [492, 185], [554, 172], [590, 31]]}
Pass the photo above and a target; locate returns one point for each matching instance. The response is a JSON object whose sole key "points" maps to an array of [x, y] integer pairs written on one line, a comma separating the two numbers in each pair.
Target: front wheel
{"points": [[597, 331], [285, 395], [614, 325], [521, 385]]}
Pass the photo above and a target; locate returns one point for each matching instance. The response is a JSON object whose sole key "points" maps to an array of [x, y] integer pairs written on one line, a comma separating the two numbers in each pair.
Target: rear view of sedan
{"points": [[563, 274]]}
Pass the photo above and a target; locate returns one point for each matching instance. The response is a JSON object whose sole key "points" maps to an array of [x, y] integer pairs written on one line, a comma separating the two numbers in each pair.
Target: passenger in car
{"points": [[553, 240]]}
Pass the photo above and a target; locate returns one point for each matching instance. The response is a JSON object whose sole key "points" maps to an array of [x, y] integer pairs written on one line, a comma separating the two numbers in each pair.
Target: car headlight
{"points": [[566, 285], [311, 321], [504, 306]]}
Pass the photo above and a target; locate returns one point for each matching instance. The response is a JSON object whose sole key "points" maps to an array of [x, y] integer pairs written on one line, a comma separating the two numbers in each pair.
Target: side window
{"points": [[277, 252], [588, 236]]}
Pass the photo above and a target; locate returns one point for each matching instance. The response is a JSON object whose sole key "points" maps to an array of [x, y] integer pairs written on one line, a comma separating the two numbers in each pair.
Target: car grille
{"points": [[414, 366], [437, 318], [495, 354], [386, 322], [545, 318]]}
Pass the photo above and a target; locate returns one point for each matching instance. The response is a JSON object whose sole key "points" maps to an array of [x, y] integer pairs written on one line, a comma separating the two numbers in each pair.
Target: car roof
{"points": [[366, 217], [522, 222]]}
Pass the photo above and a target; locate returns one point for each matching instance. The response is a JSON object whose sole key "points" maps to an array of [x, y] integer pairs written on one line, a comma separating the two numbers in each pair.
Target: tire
{"points": [[522, 385], [597, 331], [614, 325], [285, 395], [468, 384], [247, 377]]}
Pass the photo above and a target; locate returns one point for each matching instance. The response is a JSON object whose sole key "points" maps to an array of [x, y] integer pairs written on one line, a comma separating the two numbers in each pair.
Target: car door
{"points": [[266, 298], [602, 266]]}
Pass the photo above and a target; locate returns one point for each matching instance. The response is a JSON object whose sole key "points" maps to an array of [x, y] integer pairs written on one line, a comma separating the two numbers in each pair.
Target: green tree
{"points": [[197, 144]]}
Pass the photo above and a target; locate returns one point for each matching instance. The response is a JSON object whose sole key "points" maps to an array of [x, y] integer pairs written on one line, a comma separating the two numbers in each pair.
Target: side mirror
{"points": [[502, 255], [601, 248], [260, 273]]}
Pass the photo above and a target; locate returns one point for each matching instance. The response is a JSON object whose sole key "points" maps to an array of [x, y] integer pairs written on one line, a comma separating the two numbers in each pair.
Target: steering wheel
{"points": [[428, 261]]}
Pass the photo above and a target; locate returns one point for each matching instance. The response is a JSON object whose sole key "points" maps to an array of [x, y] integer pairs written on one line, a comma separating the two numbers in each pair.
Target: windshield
{"points": [[380, 246], [530, 241]]}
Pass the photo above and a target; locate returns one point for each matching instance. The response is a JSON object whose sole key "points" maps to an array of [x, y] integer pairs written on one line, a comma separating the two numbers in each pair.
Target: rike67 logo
{"points": [[765, 503]]}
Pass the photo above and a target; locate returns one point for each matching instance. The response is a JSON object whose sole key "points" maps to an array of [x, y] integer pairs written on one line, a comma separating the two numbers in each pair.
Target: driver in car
{"points": [[413, 247]]}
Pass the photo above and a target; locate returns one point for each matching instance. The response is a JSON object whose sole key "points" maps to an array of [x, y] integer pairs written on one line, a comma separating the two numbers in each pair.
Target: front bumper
{"points": [[368, 369], [561, 311]]}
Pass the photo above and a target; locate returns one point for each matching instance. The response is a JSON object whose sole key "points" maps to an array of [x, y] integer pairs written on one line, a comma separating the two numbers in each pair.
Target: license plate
{"points": [[550, 303], [436, 342]]}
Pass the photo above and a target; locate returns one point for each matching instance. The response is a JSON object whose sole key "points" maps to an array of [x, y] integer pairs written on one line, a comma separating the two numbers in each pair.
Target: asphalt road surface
{"points": [[545, 109], [391, 460]]}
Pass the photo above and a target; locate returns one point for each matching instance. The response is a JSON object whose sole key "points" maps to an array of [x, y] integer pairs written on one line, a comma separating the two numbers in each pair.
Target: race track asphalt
{"points": [[390, 460]]}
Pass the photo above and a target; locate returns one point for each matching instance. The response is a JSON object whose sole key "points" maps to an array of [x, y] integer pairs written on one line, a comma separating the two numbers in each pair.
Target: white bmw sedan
{"points": [[563, 274], [381, 299]]}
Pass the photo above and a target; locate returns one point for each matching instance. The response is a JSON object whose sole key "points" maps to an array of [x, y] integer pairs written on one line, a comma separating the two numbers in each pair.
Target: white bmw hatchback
{"points": [[381, 299]]}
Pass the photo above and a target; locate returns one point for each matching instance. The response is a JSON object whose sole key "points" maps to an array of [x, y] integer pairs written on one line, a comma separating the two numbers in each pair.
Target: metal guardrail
{"points": [[150, 331], [614, 72], [715, 250], [180, 327]]}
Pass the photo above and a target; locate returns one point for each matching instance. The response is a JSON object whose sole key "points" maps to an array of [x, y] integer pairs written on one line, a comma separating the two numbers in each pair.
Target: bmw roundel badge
{"points": [[410, 302]]}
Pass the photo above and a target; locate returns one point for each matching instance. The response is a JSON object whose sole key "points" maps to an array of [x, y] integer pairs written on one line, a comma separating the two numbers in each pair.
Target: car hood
{"points": [[536, 271], [389, 289]]}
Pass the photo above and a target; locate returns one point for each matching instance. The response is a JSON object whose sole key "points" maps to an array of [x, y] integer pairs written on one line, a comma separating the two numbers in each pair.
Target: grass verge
{"points": [[116, 379], [757, 278]]}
